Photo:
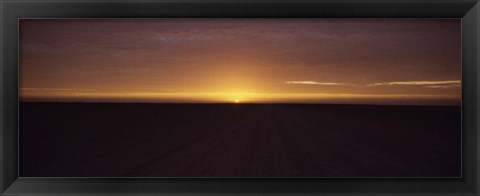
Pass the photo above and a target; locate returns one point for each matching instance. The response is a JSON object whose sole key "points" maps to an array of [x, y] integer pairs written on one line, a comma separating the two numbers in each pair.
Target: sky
{"points": [[354, 61]]}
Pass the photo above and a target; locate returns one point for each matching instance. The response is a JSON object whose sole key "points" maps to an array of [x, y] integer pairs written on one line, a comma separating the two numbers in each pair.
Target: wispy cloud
{"points": [[55, 89], [316, 83], [424, 84], [444, 86], [419, 83]]}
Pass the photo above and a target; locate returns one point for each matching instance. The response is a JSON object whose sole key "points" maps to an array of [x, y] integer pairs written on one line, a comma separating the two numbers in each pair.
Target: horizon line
{"points": [[234, 103]]}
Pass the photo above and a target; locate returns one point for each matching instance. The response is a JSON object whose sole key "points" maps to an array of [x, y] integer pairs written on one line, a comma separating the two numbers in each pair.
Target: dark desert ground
{"points": [[238, 140]]}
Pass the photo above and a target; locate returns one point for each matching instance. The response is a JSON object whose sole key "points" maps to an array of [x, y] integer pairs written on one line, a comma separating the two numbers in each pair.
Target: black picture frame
{"points": [[12, 10]]}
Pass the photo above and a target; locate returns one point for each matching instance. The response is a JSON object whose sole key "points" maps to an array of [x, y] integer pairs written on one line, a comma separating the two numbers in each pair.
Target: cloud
{"points": [[444, 86], [55, 89], [419, 83], [316, 83], [425, 84]]}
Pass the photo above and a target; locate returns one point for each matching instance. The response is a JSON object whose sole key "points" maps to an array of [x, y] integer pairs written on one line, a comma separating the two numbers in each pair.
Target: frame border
{"points": [[12, 10]]}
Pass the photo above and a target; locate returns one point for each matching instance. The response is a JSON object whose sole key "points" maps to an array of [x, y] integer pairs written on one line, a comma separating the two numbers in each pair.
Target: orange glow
{"points": [[244, 97], [239, 60]]}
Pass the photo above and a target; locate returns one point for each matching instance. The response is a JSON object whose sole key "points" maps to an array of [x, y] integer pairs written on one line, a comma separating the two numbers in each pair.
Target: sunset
{"points": [[401, 61], [237, 97]]}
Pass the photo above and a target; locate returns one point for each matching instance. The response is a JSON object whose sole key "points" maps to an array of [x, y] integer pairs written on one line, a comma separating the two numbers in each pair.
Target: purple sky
{"points": [[400, 61]]}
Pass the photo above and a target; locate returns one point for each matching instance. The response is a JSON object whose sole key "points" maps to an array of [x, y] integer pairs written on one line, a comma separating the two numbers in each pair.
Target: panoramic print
{"points": [[240, 98]]}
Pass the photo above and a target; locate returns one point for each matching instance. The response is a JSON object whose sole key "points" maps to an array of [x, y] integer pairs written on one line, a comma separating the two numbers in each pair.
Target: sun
{"points": [[237, 101]]}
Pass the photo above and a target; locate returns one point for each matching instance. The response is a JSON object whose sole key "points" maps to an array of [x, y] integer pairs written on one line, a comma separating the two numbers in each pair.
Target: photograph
{"points": [[240, 98]]}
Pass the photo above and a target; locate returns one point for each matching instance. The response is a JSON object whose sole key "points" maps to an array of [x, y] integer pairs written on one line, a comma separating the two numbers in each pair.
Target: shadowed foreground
{"points": [[238, 140]]}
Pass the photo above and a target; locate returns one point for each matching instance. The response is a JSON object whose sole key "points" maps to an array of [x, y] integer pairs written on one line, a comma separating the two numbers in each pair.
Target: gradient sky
{"points": [[374, 61]]}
